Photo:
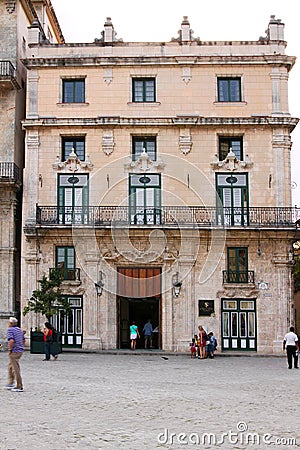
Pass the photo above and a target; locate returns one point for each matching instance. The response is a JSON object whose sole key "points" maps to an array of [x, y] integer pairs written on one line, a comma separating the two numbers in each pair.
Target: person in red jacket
{"points": [[48, 340]]}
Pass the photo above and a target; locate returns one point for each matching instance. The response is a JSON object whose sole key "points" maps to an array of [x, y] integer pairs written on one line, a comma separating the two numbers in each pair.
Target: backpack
{"points": [[216, 344], [54, 335]]}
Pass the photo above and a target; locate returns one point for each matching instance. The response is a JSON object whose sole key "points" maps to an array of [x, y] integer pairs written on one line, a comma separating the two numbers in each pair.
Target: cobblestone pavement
{"points": [[136, 401]]}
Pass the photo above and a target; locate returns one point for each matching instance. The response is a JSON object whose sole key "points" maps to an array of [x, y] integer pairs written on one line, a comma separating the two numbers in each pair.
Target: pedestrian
{"points": [[211, 345], [193, 348], [148, 330], [290, 343], [48, 340], [202, 342], [134, 334], [16, 341]]}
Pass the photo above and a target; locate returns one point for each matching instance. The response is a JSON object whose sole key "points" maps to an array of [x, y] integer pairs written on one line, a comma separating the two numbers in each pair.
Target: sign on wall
{"points": [[206, 307]]}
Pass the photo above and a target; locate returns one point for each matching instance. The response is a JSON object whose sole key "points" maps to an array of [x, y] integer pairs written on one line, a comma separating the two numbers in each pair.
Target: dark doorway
{"points": [[140, 310], [138, 299]]}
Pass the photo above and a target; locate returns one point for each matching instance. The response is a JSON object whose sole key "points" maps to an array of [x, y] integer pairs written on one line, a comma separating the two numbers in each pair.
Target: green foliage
{"points": [[48, 300], [297, 274]]}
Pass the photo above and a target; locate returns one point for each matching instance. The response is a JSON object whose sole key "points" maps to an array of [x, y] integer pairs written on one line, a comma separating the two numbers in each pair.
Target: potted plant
{"points": [[48, 301]]}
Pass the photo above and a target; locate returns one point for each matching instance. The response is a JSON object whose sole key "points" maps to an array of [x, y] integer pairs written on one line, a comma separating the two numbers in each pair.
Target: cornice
{"points": [[284, 121], [122, 60]]}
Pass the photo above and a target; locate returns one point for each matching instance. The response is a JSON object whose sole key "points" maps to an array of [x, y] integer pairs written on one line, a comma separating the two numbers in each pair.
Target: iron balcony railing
{"points": [[8, 73], [66, 274], [246, 276], [170, 216], [9, 170], [6, 69]]}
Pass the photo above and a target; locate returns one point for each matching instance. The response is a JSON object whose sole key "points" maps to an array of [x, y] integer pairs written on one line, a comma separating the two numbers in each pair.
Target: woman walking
{"points": [[202, 342], [134, 333], [48, 340]]}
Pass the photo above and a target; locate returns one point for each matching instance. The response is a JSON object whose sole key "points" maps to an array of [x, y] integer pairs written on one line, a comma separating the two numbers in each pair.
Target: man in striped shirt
{"points": [[16, 340]]}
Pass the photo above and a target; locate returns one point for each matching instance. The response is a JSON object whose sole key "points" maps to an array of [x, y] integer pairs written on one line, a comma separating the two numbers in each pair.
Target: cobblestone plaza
{"points": [[148, 401]]}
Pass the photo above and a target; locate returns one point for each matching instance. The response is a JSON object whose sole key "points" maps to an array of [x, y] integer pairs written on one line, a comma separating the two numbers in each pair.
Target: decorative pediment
{"points": [[144, 164], [231, 162], [73, 163]]}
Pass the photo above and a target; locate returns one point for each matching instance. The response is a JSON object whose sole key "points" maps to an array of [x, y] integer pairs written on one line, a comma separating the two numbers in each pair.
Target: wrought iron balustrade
{"points": [[66, 274], [170, 216], [246, 276], [9, 170], [8, 73]]}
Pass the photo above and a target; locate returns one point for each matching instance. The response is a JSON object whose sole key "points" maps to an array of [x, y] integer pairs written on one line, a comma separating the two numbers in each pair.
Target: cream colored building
{"points": [[157, 178], [15, 20]]}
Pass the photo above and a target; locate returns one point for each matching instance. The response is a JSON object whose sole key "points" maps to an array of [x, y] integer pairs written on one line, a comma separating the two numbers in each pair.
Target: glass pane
{"points": [[242, 260], [149, 88], [137, 91], [225, 332], [70, 258], [223, 94], [234, 324], [78, 321], [251, 324], [79, 91], [235, 90], [243, 324], [246, 305], [236, 148], [71, 322], [229, 304], [75, 301]]}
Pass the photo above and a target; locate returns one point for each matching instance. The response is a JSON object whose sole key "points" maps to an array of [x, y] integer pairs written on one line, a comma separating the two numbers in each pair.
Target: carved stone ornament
{"points": [[108, 76], [144, 163], [238, 292], [231, 162], [185, 143], [186, 75], [108, 142], [10, 6], [73, 163]]}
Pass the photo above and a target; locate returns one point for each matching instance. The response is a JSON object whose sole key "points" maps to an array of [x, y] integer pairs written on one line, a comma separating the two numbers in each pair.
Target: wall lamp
{"points": [[99, 284], [176, 285]]}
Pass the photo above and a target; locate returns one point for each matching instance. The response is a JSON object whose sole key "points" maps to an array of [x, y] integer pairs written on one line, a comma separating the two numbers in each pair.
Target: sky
{"points": [[159, 20]]}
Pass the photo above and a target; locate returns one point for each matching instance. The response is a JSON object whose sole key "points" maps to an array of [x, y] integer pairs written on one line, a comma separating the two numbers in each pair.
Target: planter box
{"points": [[37, 344]]}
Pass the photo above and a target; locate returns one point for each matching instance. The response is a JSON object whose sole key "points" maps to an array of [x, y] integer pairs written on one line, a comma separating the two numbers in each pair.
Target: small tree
{"points": [[48, 300]]}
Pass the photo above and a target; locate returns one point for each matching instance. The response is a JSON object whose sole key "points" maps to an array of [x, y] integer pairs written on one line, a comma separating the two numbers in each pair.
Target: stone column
{"points": [[285, 313], [33, 79], [7, 256], [281, 144], [31, 177], [276, 98]]}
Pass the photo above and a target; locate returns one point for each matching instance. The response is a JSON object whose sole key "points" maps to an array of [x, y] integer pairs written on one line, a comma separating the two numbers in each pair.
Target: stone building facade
{"points": [[16, 18], [157, 179]]}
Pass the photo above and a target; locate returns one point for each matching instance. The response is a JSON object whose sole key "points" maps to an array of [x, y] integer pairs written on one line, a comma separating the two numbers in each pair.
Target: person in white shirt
{"points": [[290, 343]]}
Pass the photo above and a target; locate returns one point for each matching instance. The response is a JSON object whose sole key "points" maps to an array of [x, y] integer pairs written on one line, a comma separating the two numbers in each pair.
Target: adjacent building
{"points": [[157, 180], [16, 17]]}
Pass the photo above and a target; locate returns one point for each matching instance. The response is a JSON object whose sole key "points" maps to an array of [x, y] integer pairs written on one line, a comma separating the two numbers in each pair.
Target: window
{"points": [[76, 143], [232, 199], [143, 90], [145, 199], [73, 91], [229, 89], [227, 143], [141, 143], [65, 261], [237, 263], [72, 198]]}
